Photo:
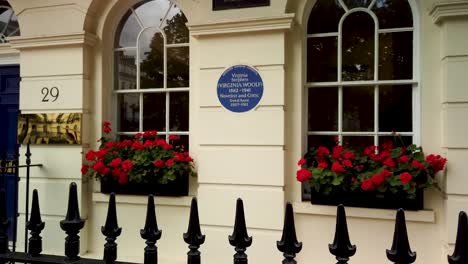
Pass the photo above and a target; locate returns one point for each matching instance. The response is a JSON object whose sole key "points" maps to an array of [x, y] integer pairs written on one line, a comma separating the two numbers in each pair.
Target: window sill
{"points": [[183, 201], [306, 208]]}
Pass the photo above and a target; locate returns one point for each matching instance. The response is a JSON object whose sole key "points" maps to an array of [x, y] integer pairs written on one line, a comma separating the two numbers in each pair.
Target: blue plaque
{"points": [[240, 88]]}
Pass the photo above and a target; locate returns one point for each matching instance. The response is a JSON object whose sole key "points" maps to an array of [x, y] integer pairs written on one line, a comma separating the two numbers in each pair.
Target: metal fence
{"points": [[400, 251]]}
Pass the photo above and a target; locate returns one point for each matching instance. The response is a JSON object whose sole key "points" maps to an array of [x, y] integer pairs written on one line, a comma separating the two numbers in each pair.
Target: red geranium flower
{"points": [[158, 163], [127, 165], [303, 175], [84, 169], [437, 162], [377, 179], [349, 155], [322, 165], [301, 162], [418, 165], [389, 163], [403, 159], [115, 162], [322, 152], [90, 155], [336, 167], [169, 162], [405, 177], [367, 185]]}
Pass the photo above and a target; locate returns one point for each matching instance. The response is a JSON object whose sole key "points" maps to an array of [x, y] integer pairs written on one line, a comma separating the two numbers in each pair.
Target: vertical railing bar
{"points": [[26, 213], [17, 178], [240, 238]]}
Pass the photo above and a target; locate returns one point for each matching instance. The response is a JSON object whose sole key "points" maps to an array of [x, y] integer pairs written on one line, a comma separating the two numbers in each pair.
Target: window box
{"points": [[179, 187]]}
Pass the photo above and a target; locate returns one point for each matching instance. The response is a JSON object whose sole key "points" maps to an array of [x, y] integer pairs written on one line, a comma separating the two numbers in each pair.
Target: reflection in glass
{"points": [[151, 13], [350, 4], [357, 142], [183, 142], [178, 67], [125, 70], [151, 52], [179, 111], [323, 109], [324, 17], [358, 109], [393, 13], [8, 24], [395, 108], [322, 59], [396, 56], [358, 47], [154, 111], [129, 110], [174, 27], [128, 29], [317, 141], [398, 141]]}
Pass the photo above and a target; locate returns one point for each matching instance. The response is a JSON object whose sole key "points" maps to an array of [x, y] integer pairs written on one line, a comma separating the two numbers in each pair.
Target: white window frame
{"points": [[167, 132], [414, 82]]}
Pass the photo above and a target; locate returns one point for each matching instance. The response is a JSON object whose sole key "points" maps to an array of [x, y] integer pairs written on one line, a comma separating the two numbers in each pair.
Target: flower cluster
{"points": [[144, 158], [380, 169]]}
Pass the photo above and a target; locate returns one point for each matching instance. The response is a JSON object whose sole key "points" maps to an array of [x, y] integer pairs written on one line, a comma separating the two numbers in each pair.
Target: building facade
{"points": [[356, 70]]}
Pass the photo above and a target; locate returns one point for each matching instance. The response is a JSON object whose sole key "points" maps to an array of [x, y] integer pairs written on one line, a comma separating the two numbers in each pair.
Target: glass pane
{"points": [[393, 13], [317, 141], [178, 67], [129, 111], [183, 142], [357, 142], [175, 28], [152, 13], [398, 141], [151, 52], [323, 109], [324, 17], [395, 108], [179, 111], [358, 47], [358, 109], [154, 111], [357, 3], [322, 59], [396, 56], [127, 32], [125, 70]]}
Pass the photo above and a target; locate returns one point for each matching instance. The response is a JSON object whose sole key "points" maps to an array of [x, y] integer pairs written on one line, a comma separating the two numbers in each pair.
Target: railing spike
{"points": [[151, 233], [288, 243], [111, 230], [341, 247], [35, 225], [72, 224], [239, 238], [401, 251], [460, 253], [194, 237], [4, 223]]}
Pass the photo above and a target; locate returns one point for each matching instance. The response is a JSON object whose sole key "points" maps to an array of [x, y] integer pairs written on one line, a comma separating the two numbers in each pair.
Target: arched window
{"points": [[9, 26], [360, 82], [151, 69]]}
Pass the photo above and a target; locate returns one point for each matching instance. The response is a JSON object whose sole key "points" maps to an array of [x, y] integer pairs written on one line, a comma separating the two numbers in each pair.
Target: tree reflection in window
{"points": [[153, 36], [9, 26]]}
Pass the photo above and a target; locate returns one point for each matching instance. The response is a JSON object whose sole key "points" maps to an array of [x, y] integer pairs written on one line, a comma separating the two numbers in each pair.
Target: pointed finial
{"points": [[288, 243], [401, 252], [341, 247], [111, 230], [239, 238], [194, 237], [72, 224], [4, 223], [35, 225], [460, 253], [151, 233]]}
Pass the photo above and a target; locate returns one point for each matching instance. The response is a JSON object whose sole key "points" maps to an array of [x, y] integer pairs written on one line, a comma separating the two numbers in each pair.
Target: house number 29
{"points": [[50, 94]]}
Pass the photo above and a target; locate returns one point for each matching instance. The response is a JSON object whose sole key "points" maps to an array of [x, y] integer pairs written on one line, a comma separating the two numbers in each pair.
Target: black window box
{"points": [[179, 187]]}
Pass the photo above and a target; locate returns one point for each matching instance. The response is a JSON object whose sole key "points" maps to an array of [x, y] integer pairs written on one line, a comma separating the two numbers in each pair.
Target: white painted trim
{"points": [[281, 23], [8, 55], [78, 38], [444, 10]]}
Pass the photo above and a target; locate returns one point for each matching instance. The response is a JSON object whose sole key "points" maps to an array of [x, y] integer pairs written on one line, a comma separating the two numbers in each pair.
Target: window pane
{"points": [[183, 142], [129, 111], [324, 17], [393, 13], [322, 59], [179, 111], [8, 24], [398, 141], [178, 67], [152, 13], [154, 111], [357, 142], [125, 70], [317, 141], [358, 109], [357, 3], [175, 28], [395, 108], [323, 109], [127, 31], [151, 52], [358, 47], [396, 56]]}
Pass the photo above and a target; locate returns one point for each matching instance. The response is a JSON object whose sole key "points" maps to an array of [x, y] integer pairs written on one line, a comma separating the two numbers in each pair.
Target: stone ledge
{"points": [[441, 11], [183, 201], [30, 42], [424, 216]]}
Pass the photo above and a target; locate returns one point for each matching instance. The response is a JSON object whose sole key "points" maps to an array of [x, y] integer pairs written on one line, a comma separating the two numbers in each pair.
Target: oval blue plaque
{"points": [[240, 88]]}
